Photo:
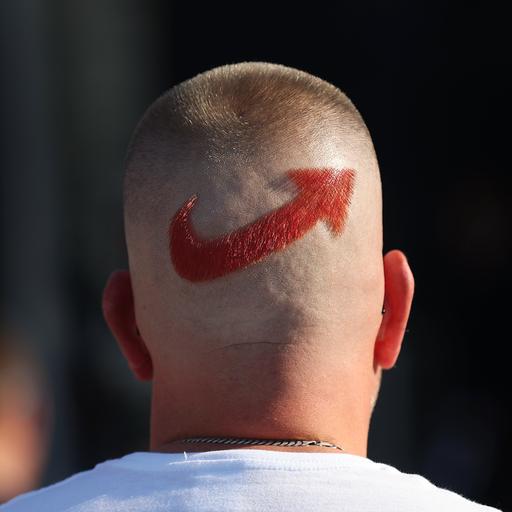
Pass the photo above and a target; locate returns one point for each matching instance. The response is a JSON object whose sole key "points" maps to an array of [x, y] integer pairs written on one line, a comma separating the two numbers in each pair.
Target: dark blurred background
{"points": [[429, 79]]}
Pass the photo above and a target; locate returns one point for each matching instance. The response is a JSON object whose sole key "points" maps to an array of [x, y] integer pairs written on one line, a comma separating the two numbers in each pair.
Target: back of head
{"points": [[253, 218]]}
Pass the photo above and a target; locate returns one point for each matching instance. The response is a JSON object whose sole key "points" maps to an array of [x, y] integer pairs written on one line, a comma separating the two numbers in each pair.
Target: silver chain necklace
{"points": [[273, 442]]}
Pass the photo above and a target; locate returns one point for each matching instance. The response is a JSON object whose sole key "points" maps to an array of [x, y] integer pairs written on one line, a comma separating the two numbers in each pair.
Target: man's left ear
{"points": [[119, 312], [399, 290]]}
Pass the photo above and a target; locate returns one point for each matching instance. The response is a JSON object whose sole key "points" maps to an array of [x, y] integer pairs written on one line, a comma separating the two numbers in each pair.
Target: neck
{"points": [[295, 405]]}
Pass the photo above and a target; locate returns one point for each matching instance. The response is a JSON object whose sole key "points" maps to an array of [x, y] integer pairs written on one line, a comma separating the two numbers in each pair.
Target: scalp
{"points": [[229, 137]]}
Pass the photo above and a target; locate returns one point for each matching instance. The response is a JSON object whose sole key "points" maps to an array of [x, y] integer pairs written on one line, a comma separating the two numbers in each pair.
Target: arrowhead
{"points": [[327, 192]]}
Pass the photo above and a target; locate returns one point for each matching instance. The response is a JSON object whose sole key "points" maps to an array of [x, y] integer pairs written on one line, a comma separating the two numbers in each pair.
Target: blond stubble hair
{"points": [[229, 136]]}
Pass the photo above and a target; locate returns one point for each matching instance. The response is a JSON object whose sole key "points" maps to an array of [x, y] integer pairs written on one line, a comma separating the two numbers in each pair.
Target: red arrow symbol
{"points": [[323, 194]]}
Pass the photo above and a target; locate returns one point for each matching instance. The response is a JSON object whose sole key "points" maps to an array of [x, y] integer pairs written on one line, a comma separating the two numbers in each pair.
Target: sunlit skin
{"points": [[351, 433]]}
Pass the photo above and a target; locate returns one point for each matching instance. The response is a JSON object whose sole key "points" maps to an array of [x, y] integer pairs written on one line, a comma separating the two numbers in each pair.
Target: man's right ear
{"points": [[119, 312]]}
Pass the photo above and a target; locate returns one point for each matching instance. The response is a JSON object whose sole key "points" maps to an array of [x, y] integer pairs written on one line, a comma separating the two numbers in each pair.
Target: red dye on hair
{"points": [[323, 194]]}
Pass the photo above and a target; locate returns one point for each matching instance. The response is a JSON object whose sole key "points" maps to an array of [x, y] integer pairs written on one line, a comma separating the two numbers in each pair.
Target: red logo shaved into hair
{"points": [[323, 194]]}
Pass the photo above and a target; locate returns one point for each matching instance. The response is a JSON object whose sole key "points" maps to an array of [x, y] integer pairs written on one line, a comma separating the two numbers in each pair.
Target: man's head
{"points": [[254, 230]]}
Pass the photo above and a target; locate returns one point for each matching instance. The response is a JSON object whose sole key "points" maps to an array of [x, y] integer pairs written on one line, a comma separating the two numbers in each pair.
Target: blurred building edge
{"points": [[25, 418]]}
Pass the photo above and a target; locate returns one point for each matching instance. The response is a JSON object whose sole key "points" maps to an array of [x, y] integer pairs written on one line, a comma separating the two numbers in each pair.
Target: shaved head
{"points": [[237, 141], [254, 297]]}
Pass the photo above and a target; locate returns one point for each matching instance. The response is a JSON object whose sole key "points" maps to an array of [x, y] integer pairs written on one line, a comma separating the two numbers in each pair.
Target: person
{"points": [[260, 304], [25, 416]]}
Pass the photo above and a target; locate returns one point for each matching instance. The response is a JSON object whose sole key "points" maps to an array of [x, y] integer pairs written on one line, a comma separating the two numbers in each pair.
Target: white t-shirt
{"points": [[242, 480]]}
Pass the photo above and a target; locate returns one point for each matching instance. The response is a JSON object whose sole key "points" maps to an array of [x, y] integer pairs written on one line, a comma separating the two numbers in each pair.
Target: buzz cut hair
{"points": [[230, 137], [238, 108]]}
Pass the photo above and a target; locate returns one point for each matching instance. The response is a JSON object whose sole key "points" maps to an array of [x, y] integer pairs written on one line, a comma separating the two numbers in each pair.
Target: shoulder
{"points": [[416, 491], [61, 496]]}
